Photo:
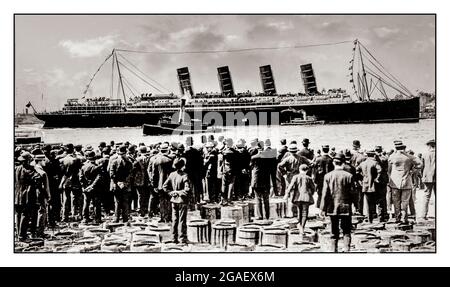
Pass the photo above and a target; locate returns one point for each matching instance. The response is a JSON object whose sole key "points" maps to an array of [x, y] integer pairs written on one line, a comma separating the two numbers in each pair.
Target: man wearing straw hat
{"points": [[429, 176], [401, 167]]}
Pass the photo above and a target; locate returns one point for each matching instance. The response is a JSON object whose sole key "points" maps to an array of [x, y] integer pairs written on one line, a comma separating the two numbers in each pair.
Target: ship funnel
{"points": [[225, 82], [267, 81], [309, 80], [184, 79]]}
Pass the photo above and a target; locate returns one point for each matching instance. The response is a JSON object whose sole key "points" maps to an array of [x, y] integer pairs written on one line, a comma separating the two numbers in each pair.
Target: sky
{"points": [[56, 55]]}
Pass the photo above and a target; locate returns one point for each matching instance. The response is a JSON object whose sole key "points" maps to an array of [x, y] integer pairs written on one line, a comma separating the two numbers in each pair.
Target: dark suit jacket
{"points": [[371, 171], [337, 193], [323, 165], [161, 168], [263, 166]]}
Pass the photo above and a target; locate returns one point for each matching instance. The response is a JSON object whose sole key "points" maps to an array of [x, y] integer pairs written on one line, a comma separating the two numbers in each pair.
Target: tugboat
{"points": [[302, 120], [167, 126]]}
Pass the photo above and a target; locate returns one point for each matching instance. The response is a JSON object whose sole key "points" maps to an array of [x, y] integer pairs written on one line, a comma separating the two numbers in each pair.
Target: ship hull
{"points": [[406, 110], [98, 120]]}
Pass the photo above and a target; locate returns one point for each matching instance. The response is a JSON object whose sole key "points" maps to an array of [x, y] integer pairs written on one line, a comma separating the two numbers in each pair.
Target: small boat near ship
{"points": [[182, 127]]}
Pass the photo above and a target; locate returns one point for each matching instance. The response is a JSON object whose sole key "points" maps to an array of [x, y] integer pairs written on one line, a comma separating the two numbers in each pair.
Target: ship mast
{"points": [[120, 77], [366, 88]]}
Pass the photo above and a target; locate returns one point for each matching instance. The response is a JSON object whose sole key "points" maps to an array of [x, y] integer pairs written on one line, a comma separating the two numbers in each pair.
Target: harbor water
{"points": [[340, 136]]}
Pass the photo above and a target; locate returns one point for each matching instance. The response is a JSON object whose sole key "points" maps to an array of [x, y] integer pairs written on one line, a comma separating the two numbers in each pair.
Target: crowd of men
{"points": [[79, 183]]}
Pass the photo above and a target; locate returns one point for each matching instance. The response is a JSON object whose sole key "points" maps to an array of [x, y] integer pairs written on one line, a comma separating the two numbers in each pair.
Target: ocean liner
{"points": [[366, 75]]}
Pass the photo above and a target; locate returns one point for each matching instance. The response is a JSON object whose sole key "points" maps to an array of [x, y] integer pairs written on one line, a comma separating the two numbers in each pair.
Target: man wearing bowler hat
{"points": [[401, 167], [357, 156], [429, 176], [306, 151], [194, 170], [381, 185], [336, 202], [322, 166]]}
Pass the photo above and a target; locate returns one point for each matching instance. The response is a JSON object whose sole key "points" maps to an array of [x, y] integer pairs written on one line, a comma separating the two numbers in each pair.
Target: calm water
{"points": [[414, 135]]}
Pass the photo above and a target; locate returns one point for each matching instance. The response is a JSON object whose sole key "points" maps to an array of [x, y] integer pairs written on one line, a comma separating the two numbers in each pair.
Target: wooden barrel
{"points": [[245, 211], [388, 236], [371, 226], [210, 212], [280, 223], [172, 248], [294, 236], [112, 226], [277, 208], [141, 225], [236, 247], [274, 236], [262, 222], [69, 233], [54, 243], [362, 236], [307, 236], [301, 246], [145, 246], [88, 240], [114, 246], [223, 234], [35, 242], [100, 232], [205, 248], [418, 237], [315, 225], [292, 223], [269, 248], [198, 231], [401, 245], [148, 236], [431, 230], [427, 247], [248, 235], [233, 212], [92, 247], [164, 230], [368, 243], [127, 229], [251, 208]]}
